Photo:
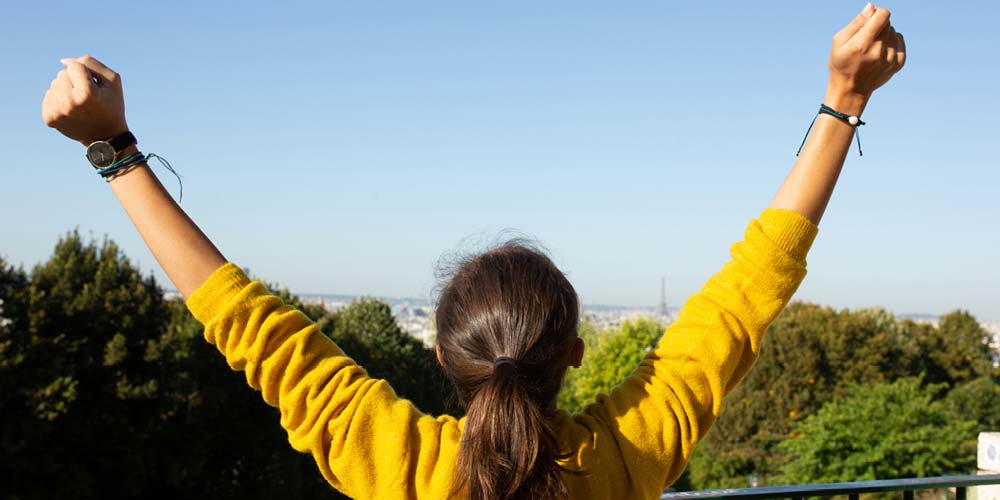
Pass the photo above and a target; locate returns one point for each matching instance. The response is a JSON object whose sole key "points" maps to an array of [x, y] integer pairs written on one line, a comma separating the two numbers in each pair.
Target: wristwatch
{"points": [[102, 154]]}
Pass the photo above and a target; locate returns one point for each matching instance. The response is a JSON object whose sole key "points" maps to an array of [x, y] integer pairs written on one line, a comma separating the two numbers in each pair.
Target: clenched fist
{"points": [[865, 55], [85, 101]]}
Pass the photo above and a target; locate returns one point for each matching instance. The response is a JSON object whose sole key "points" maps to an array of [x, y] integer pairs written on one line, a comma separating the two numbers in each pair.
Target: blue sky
{"points": [[344, 148]]}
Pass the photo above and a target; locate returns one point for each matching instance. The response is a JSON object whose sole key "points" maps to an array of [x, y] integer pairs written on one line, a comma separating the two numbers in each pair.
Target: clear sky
{"points": [[343, 148]]}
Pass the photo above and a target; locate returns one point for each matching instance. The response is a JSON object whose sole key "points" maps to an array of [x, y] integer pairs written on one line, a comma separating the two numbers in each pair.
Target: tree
{"points": [[12, 356], [113, 390], [12, 283], [812, 355], [883, 431], [957, 350], [81, 378], [610, 357], [979, 401]]}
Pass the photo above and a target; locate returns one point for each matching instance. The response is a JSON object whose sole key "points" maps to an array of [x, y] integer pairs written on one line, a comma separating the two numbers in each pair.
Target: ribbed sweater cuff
{"points": [[792, 232], [217, 291]]}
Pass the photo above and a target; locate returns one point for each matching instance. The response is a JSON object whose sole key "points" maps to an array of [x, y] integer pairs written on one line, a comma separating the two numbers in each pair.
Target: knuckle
{"points": [[82, 97], [51, 119]]}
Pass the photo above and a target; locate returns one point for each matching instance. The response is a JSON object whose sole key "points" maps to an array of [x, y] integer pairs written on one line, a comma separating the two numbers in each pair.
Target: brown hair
{"points": [[509, 302]]}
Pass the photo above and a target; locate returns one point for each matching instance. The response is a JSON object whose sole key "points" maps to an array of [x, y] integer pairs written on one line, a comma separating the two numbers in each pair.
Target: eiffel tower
{"points": [[661, 309]]}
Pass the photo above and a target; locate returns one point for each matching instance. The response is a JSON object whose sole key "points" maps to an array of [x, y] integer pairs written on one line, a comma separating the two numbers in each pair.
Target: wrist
{"points": [[127, 151], [844, 101], [126, 160], [105, 134]]}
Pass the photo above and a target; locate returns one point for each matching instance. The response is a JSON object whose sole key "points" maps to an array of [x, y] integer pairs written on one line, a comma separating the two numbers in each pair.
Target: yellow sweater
{"points": [[369, 443]]}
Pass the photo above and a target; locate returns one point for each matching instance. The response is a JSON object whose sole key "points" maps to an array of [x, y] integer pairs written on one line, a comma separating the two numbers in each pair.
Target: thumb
{"points": [[855, 25]]}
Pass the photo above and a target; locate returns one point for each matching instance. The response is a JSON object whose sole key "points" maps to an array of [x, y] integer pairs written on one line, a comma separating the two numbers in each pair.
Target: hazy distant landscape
{"points": [[416, 315]]}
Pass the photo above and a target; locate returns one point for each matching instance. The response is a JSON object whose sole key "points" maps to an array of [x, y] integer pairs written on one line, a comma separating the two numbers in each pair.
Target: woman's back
{"points": [[631, 443]]}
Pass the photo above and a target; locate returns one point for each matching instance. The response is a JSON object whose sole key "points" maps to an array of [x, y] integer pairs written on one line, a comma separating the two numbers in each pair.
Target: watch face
{"points": [[101, 154]]}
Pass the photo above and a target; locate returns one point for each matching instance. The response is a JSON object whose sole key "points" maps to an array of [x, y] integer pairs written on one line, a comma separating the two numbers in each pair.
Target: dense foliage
{"points": [[814, 355], [609, 358], [108, 390], [886, 430]]}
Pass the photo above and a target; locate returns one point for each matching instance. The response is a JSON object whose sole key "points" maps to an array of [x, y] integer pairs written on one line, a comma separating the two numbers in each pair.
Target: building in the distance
{"points": [[662, 312]]}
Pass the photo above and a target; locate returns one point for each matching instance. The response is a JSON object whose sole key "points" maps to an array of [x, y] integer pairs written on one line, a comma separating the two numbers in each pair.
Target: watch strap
{"points": [[122, 141]]}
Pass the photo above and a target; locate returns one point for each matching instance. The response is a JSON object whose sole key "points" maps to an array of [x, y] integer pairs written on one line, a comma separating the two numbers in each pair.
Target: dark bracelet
{"points": [[134, 159], [121, 165], [851, 120]]}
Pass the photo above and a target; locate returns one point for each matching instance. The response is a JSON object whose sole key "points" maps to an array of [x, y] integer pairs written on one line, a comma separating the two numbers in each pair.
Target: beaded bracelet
{"points": [[851, 120]]}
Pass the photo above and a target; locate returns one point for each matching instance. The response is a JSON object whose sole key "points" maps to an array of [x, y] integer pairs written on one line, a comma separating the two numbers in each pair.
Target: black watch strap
{"points": [[122, 141]]}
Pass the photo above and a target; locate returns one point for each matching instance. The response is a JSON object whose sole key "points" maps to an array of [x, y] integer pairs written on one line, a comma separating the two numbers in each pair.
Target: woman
{"points": [[507, 323]]}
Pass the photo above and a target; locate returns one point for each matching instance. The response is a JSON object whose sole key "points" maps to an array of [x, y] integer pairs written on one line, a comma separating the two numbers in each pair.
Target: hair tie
{"points": [[504, 360]]}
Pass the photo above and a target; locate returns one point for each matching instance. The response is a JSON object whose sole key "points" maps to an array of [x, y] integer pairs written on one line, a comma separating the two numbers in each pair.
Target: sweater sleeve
{"points": [[657, 415], [363, 437]]}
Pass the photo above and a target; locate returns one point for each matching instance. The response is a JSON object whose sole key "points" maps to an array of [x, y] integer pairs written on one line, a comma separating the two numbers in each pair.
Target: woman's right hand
{"points": [[865, 55]]}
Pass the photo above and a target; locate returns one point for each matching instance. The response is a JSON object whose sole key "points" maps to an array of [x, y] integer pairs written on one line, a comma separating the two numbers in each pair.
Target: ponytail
{"points": [[508, 449], [510, 301]]}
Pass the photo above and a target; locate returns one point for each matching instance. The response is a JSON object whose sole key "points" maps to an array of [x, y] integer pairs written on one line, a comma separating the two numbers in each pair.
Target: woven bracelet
{"points": [[851, 120]]}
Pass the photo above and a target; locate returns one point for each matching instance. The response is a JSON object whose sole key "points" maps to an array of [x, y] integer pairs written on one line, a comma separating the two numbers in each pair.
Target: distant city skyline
{"points": [[653, 309], [346, 147], [657, 309], [415, 316]]}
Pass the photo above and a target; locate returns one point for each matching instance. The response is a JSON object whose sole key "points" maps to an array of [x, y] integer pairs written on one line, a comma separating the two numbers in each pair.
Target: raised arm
{"points": [[85, 102], [864, 55], [655, 417], [365, 440]]}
